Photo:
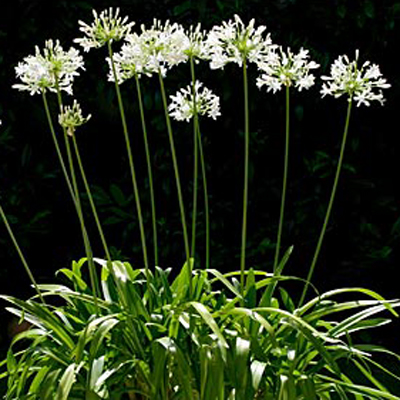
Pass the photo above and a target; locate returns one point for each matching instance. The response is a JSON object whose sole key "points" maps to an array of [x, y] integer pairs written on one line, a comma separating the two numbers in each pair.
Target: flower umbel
{"points": [[156, 49], [71, 117], [109, 26], [286, 69], [235, 42], [183, 106], [361, 84], [194, 44], [52, 69]]}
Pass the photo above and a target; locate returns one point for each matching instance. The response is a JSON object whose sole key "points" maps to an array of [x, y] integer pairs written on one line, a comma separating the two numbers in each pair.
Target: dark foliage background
{"points": [[362, 244]]}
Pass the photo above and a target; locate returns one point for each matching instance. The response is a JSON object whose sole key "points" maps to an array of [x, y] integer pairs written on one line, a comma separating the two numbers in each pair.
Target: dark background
{"points": [[361, 247]]}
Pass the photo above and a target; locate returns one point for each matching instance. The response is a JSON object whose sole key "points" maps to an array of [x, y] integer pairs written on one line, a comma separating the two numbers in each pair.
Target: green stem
{"points": [[88, 249], [149, 170], [199, 149], [330, 204], [206, 208], [285, 173], [131, 163], [21, 256], [78, 206], [177, 180], [195, 159], [57, 147], [246, 176], [90, 197]]}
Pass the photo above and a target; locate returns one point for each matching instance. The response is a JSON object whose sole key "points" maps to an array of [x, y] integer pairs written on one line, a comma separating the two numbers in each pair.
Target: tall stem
{"points": [[21, 255], [177, 181], [131, 163], [330, 204], [90, 197], [195, 159], [205, 190], [78, 206], [246, 175], [88, 248], [149, 170], [285, 173], [57, 147]]}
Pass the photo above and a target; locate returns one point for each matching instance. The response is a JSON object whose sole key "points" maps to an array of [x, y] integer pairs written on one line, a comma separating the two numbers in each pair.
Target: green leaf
{"points": [[210, 321], [257, 371], [107, 323], [287, 389], [118, 195], [180, 285], [66, 382], [251, 294], [307, 388]]}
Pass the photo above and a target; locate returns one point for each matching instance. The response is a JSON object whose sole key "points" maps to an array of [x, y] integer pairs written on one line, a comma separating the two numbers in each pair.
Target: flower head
{"points": [[156, 49], [107, 27], [286, 69], [361, 84], [130, 61], [53, 69], [71, 117], [183, 106], [194, 44], [235, 42]]}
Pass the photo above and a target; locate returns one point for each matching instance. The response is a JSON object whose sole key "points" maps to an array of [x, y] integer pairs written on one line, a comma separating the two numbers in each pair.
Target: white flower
{"points": [[163, 43], [71, 117], [235, 42], [194, 44], [183, 105], [131, 61], [361, 84], [156, 49], [286, 69], [53, 69], [107, 27]]}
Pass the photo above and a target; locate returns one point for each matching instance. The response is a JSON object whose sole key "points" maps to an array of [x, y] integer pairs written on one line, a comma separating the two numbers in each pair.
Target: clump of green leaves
{"points": [[153, 341]]}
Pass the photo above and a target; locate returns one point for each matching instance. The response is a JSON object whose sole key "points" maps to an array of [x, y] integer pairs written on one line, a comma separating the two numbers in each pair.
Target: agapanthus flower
{"points": [[286, 69], [156, 49], [194, 43], [130, 61], [362, 84], [234, 42], [51, 69], [71, 117], [183, 105], [107, 27]]}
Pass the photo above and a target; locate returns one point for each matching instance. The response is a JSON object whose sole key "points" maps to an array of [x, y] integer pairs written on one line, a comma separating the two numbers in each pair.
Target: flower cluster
{"points": [[235, 42], [107, 27], [156, 49], [71, 117], [186, 103], [361, 84], [194, 44], [54, 70], [286, 69]]}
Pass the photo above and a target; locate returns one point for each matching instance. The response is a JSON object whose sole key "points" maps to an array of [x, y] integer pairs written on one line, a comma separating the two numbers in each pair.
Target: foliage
{"points": [[155, 342]]}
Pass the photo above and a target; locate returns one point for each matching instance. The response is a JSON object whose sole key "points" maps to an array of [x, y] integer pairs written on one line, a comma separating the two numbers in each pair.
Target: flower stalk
{"points": [[131, 162], [20, 254], [177, 181], [195, 157], [246, 175], [149, 169], [330, 204], [285, 174]]}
